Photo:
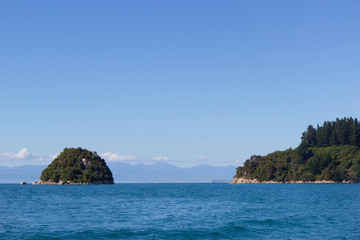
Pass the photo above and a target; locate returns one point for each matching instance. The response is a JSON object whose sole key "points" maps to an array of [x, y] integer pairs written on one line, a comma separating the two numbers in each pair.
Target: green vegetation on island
{"points": [[327, 153], [77, 166]]}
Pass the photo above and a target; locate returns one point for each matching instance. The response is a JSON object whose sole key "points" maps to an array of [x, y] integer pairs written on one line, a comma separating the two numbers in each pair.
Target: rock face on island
{"points": [[327, 154], [77, 166]]}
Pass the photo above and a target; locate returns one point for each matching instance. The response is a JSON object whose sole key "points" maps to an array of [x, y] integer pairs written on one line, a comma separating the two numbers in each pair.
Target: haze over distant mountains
{"points": [[125, 173]]}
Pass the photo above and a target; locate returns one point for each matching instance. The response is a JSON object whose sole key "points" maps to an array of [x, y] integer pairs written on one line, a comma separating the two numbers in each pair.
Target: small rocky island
{"points": [[327, 154], [76, 166]]}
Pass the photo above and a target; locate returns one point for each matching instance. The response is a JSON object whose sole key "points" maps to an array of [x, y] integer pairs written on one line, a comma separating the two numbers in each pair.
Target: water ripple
{"points": [[180, 211]]}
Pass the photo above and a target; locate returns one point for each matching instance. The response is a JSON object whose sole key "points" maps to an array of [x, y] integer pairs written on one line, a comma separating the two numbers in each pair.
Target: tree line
{"points": [[345, 131]]}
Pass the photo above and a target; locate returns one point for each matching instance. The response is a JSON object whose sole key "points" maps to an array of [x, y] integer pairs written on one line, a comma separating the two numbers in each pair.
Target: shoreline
{"points": [[255, 181], [72, 183]]}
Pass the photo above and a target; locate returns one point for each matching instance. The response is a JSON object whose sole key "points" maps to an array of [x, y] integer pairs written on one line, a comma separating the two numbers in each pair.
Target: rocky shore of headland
{"points": [[72, 183], [255, 181]]}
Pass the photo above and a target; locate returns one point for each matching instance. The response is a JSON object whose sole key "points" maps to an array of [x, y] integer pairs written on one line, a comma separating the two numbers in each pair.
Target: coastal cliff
{"points": [[327, 154], [76, 166]]}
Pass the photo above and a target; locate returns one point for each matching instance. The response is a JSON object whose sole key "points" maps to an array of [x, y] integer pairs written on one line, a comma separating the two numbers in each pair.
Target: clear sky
{"points": [[188, 82]]}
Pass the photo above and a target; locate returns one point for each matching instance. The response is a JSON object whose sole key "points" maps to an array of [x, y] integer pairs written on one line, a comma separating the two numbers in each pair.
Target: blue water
{"points": [[180, 211]]}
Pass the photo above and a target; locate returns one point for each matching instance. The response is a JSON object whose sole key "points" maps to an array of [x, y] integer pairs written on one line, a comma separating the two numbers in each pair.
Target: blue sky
{"points": [[188, 82]]}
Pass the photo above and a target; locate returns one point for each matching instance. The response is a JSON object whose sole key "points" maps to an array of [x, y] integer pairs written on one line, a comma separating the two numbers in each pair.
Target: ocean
{"points": [[180, 211]]}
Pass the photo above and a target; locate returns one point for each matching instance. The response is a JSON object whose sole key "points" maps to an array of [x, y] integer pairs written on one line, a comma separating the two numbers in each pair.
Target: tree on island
{"points": [[77, 165], [344, 131], [329, 152]]}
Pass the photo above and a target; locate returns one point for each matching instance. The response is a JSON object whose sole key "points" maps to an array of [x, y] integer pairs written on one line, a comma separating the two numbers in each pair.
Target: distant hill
{"points": [[165, 173], [28, 173], [328, 153], [124, 173]]}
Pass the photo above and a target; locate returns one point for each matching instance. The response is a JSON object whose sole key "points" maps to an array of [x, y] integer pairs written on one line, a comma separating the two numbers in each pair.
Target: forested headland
{"points": [[330, 152]]}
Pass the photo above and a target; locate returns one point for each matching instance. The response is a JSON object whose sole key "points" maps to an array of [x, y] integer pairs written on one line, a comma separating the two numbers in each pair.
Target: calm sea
{"points": [[180, 211]]}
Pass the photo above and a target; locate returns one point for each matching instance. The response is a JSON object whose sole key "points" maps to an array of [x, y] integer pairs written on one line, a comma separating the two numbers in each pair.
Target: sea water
{"points": [[180, 211]]}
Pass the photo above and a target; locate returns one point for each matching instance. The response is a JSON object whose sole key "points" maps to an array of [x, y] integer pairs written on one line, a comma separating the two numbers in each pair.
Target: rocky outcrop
{"points": [[72, 183], [255, 181]]}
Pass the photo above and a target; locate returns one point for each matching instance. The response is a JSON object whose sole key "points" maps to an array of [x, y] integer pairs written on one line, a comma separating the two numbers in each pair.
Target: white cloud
{"points": [[23, 157], [202, 160], [239, 161], [160, 158], [53, 156], [113, 157], [22, 154], [130, 159]]}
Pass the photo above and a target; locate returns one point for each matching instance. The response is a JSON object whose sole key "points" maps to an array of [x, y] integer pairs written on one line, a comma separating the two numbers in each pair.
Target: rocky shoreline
{"points": [[72, 183], [255, 181]]}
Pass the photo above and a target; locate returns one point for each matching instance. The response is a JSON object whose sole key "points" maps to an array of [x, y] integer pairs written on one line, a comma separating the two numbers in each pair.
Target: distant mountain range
{"points": [[28, 173], [124, 173]]}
